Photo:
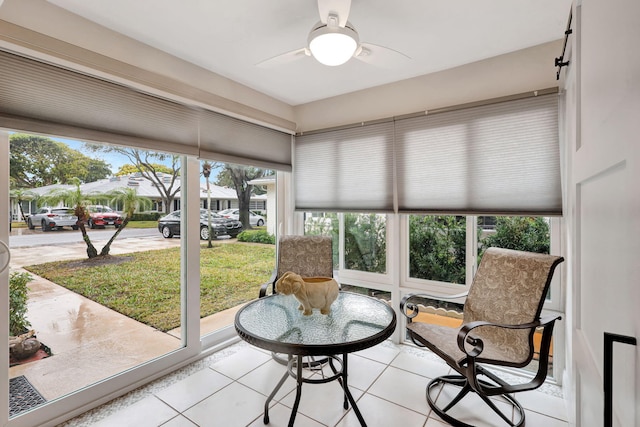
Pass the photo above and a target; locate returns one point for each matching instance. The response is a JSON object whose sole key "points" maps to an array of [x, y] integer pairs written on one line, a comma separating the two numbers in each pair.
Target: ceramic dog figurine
{"points": [[312, 292]]}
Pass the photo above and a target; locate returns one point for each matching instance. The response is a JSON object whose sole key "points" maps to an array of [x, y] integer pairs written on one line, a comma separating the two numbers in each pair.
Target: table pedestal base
{"points": [[295, 362]]}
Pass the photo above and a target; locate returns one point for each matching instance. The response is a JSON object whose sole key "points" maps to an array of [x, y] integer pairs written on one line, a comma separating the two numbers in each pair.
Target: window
{"points": [[365, 237], [437, 248], [89, 312], [231, 271]]}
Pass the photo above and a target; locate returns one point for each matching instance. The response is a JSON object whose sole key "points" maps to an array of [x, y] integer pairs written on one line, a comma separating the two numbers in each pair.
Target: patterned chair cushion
{"points": [[308, 256], [509, 288]]}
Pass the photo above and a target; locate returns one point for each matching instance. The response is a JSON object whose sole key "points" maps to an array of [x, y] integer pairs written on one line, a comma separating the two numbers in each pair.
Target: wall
{"points": [[103, 52], [603, 165], [517, 72]]}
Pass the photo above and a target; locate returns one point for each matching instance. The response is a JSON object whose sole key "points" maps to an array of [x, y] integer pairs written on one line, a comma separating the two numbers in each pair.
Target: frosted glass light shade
{"points": [[333, 46]]}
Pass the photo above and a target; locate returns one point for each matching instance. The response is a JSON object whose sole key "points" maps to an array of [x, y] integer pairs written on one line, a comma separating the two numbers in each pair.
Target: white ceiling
{"points": [[231, 37]]}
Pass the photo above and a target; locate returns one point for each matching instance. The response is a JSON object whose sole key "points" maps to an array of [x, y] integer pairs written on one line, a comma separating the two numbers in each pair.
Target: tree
{"points": [[131, 202], [150, 166], [129, 169], [22, 195], [36, 161], [76, 198], [238, 177]]}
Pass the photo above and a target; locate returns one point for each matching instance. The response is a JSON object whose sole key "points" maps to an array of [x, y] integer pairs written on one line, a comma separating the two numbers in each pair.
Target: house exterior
{"points": [[220, 197], [600, 106]]}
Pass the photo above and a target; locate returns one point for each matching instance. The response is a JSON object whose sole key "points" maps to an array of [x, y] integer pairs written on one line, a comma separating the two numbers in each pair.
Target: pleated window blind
{"points": [[42, 98], [345, 170], [500, 158]]}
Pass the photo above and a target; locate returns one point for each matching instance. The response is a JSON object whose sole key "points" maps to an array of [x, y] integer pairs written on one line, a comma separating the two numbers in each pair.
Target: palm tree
{"points": [[206, 172], [21, 195], [74, 197], [131, 202]]}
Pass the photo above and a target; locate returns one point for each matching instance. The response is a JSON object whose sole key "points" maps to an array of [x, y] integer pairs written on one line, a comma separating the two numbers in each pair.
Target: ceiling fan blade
{"points": [[284, 58], [335, 7], [380, 56]]}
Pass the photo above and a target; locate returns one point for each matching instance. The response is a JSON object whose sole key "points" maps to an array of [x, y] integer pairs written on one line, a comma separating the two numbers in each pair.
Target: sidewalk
{"points": [[89, 341]]}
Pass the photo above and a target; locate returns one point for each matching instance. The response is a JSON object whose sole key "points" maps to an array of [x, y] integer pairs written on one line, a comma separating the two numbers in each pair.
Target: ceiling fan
{"points": [[333, 41]]}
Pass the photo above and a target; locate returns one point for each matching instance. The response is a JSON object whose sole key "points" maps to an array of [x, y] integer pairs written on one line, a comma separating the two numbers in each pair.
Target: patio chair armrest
{"points": [[477, 343], [264, 288], [411, 309]]}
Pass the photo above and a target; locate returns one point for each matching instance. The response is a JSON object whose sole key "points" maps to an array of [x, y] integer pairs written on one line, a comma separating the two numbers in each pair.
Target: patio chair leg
{"points": [[465, 388]]}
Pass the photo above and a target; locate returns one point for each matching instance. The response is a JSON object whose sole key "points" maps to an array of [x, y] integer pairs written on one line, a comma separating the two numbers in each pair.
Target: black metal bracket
{"points": [[560, 62], [609, 339]]}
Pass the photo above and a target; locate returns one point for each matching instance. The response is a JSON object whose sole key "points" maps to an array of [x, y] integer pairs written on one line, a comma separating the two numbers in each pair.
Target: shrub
{"points": [[520, 233], [437, 246], [18, 322], [365, 242], [257, 236], [146, 216]]}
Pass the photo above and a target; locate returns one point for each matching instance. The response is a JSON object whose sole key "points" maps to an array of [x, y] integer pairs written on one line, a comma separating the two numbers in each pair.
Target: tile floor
{"points": [[229, 389]]}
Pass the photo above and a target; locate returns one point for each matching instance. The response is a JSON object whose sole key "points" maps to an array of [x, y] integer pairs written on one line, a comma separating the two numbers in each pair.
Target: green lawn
{"points": [[146, 285], [142, 224]]}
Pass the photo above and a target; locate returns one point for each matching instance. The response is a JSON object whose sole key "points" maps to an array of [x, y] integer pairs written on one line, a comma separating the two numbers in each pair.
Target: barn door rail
{"points": [[609, 339]]}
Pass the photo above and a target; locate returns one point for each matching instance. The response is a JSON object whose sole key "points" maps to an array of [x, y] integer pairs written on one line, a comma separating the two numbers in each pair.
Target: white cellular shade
{"points": [[345, 170], [500, 158], [38, 97], [232, 140]]}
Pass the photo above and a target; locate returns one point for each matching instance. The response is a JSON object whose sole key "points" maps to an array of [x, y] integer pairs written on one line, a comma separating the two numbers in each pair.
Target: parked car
{"points": [[53, 218], [254, 218], [169, 225], [101, 216]]}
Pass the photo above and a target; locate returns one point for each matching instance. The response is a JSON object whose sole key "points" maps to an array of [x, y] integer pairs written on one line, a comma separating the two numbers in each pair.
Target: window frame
{"points": [[396, 280]]}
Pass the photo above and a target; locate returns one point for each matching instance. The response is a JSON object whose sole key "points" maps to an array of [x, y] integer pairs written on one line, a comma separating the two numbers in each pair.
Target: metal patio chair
{"points": [[500, 317], [308, 256]]}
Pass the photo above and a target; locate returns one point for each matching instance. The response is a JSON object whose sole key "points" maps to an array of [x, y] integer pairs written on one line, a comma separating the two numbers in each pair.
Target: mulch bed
{"points": [[42, 353], [100, 260]]}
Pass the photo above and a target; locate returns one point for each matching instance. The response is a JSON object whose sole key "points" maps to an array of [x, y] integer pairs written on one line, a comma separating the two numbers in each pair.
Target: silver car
{"points": [[53, 218], [254, 218]]}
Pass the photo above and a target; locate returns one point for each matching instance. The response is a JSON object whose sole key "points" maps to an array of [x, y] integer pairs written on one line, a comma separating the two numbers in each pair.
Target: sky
{"points": [[114, 159]]}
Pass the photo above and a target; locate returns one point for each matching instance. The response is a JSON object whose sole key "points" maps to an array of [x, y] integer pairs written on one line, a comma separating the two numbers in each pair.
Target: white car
{"points": [[53, 218], [254, 218]]}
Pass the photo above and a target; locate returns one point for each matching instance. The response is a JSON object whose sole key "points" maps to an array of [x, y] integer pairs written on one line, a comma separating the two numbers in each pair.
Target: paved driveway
{"points": [[23, 237]]}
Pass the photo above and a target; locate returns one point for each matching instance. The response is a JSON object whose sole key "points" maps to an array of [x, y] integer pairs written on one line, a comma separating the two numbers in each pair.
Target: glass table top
{"points": [[355, 322]]}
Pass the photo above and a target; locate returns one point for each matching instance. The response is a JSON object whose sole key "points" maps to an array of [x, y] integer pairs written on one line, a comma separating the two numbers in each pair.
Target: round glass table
{"points": [[356, 322]]}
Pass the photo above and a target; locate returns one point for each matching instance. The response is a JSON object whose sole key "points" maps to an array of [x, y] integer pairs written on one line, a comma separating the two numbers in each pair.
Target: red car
{"points": [[101, 216]]}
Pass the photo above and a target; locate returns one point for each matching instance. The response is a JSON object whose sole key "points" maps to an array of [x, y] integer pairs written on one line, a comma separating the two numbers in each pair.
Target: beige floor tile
{"points": [[179, 421], [243, 362], [279, 417], [472, 410], [543, 404], [420, 365], [383, 353], [193, 389], [322, 402], [533, 419], [264, 378], [233, 406], [149, 412], [402, 388], [381, 413]]}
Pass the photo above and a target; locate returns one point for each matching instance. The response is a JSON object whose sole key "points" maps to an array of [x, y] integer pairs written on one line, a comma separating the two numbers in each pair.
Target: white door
{"points": [[603, 163]]}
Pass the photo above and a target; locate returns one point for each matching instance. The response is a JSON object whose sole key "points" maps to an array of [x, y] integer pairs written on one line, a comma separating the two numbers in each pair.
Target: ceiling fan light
{"points": [[333, 45]]}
